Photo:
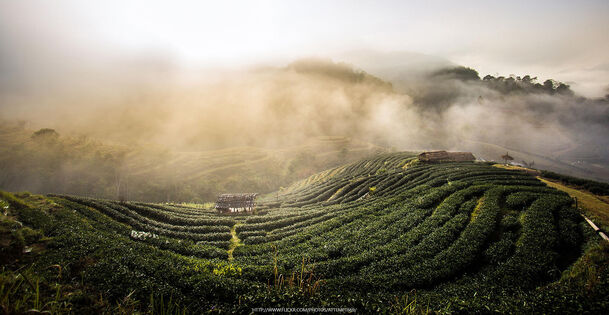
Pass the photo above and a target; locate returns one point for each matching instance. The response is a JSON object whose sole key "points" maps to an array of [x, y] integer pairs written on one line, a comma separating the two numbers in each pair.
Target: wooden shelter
{"points": [[236, 202], [443, 156]]}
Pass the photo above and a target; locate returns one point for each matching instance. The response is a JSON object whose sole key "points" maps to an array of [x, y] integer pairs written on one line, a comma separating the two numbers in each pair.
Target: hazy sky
{"points": [[565, 40]]}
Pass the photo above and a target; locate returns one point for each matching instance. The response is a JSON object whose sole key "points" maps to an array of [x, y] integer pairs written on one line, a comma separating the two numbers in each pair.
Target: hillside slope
{"points": [[54, 163], [376, 234]]}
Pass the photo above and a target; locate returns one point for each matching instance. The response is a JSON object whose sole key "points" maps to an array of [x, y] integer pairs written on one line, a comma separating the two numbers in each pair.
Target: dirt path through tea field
{"points": [[234, 241]]}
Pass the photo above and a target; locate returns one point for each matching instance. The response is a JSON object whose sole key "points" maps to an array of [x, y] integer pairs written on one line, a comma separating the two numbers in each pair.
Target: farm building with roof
{"points": [[236, 202]]}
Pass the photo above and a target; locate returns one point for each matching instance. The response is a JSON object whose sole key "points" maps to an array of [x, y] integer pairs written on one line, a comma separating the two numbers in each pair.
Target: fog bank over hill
{"points": [[420, 103]]}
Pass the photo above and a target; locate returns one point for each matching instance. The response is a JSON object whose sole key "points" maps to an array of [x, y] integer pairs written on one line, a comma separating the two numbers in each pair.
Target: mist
{"points": [[426, 105], [122, 95]]}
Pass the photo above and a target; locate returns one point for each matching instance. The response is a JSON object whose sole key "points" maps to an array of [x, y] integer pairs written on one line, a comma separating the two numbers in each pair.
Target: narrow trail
{"points": [[476, 211], [234, 241]]}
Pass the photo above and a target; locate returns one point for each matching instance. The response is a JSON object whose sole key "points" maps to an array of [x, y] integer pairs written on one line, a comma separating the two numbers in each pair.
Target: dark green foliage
{"points": [[526, 84], [500, 250], [459, 73], [463, 236]]}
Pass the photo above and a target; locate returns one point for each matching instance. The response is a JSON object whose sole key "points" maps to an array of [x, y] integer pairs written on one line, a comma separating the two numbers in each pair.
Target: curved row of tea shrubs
{"points": [[385, 225]]}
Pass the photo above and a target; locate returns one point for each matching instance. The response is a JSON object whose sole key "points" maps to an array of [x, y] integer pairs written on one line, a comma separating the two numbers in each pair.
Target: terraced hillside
{"points": [[48, 162], [384, 233]]}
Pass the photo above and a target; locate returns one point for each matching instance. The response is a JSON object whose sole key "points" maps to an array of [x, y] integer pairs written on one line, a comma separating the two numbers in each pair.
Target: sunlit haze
{"points": [[565, 40], [304, 156], [207, 75]]}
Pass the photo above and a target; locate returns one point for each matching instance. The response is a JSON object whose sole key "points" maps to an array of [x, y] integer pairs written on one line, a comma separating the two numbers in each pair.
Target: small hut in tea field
{"points": [[443, 156], [236, 202]]}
